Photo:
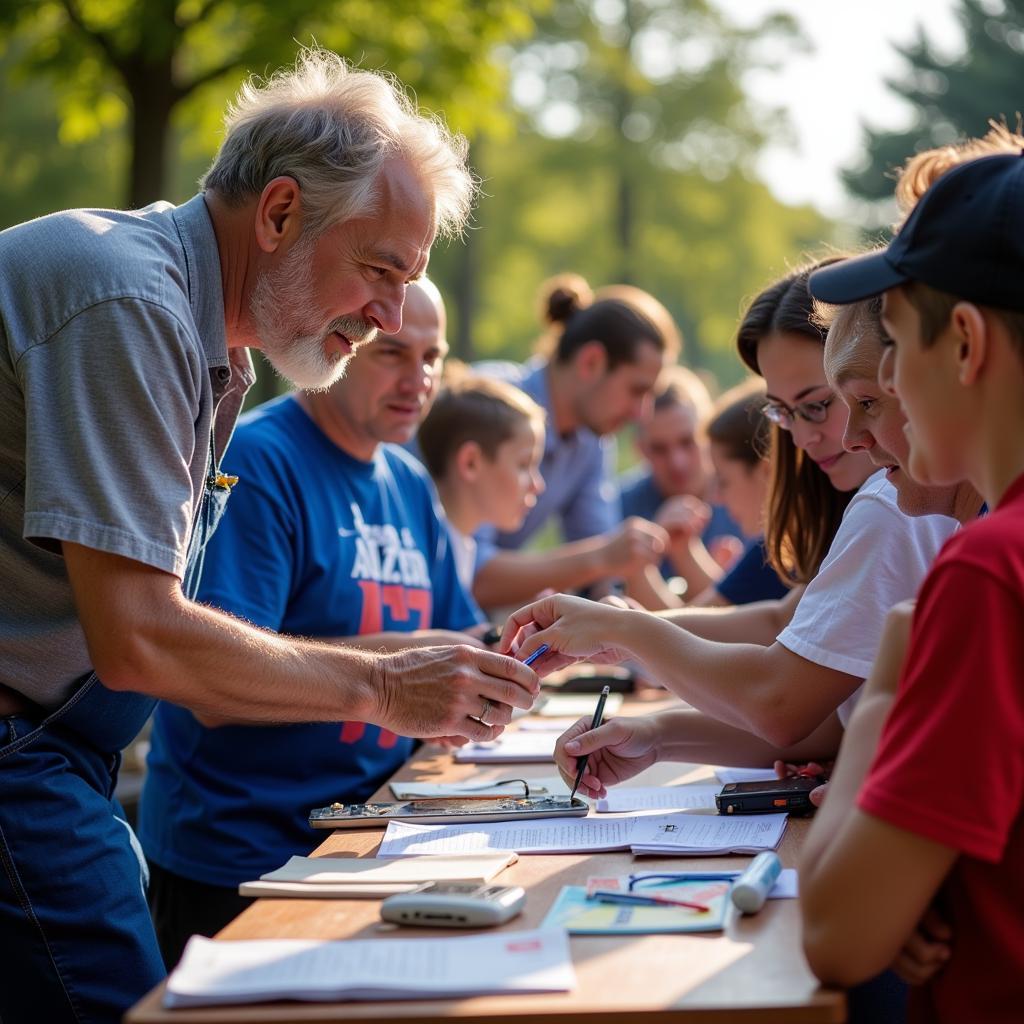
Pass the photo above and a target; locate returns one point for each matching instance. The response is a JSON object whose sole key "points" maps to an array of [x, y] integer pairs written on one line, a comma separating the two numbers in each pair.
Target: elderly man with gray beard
{"points": [[123, 364]]}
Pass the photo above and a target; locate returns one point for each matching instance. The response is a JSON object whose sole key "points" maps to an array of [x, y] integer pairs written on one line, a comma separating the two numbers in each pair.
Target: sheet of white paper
{"points": [[548, 785], [786, 887], [707, 833], [578, 705], [257, 970], [746, 774], [510, 746], [536, 723], [368, 870], [642, 798], [540, 835]]}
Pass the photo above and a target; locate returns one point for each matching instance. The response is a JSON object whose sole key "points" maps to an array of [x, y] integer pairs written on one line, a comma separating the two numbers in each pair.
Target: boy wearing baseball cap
{"points": [[924, 813]]}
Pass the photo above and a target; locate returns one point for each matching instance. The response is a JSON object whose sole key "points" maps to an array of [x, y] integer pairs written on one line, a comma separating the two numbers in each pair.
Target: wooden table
{"points": [[754, 971]]}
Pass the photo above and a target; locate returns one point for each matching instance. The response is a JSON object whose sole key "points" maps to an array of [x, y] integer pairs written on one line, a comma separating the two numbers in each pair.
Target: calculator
{"points": [[455, 905]]}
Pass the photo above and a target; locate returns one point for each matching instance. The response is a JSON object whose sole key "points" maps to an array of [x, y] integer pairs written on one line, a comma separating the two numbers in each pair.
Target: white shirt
{"points": [[464, 553], [878, 558]]}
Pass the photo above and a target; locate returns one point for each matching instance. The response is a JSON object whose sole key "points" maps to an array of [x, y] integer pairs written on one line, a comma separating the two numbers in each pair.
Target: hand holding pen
{"points": [[581, 763], [611, 753]]}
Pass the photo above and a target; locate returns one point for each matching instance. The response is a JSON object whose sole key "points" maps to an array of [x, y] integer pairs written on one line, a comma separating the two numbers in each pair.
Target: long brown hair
{"points": [[803, 508]]}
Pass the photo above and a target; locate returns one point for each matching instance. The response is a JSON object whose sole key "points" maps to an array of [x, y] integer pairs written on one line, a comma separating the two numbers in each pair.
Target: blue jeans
{"points": [[76, 940]]}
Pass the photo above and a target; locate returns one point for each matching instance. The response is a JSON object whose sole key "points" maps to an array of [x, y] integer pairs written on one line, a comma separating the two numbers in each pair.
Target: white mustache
{"points": [[357, 330]]}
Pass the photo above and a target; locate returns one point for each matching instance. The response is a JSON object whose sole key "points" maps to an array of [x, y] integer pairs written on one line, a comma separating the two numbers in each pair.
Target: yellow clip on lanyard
{"points": [[223, 480]]}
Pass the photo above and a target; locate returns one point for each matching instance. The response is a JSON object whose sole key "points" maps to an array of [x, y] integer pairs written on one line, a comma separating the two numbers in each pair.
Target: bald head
{"points": [[423, 314]]}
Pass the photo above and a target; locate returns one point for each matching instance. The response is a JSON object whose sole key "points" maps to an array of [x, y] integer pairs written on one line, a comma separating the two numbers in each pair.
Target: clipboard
{"points": [[447, 812]]}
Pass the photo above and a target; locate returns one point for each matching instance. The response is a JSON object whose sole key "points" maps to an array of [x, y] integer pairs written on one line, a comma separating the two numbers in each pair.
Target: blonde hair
{"points": [[922, 170], [331, 127]]}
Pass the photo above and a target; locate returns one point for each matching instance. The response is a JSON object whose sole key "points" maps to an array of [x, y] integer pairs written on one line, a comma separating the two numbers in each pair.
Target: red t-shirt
{"points": [[950, 764]]}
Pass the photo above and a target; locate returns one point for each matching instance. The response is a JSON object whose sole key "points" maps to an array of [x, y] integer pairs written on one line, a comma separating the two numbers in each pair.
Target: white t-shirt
{"points": [[464, 553], [878, 558]]}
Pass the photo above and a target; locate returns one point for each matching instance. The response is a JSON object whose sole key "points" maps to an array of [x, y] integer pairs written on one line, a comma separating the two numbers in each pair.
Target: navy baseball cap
{"points": [[964, 237]]}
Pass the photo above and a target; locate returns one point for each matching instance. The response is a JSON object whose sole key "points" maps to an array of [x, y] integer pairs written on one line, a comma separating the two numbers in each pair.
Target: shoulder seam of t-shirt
{"points": [[102, 302], [970, 564]]}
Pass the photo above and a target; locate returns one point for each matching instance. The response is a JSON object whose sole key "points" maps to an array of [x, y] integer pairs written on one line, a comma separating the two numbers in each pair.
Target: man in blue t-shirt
{"points": [[671, 486], [331, 534]]}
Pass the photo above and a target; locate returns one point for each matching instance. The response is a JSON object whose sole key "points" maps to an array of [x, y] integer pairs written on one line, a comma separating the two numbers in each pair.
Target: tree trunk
{"points": [[153, 94]]}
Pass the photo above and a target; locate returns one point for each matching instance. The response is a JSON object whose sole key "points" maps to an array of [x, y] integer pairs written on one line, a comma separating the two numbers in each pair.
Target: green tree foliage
{"points": [[952, 97], [704, 245], [136, 63], [633, 163]]}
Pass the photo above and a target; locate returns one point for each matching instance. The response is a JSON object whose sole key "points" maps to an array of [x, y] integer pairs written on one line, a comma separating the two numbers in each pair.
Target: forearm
{"points": [[513, 577], [219, 666], [386, 642], [691, 736], [650, 589], [757, 623], [855, 755], [861, 739], [767, 691], [693, 562]]}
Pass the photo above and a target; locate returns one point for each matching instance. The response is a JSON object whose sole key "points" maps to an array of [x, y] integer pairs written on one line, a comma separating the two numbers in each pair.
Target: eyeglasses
{"points": [[783, 415]]}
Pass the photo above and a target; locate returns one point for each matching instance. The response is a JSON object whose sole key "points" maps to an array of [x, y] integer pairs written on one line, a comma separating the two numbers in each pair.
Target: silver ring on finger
{"points": [[482, 717]]}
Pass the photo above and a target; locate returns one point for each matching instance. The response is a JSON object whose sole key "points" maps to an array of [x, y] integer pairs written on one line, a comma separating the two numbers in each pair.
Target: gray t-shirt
{"points": [[113, 360]]}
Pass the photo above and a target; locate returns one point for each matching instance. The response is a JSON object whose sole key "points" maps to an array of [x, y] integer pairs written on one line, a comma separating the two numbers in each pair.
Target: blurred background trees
{"points": [[951, 96], [615, 138]]}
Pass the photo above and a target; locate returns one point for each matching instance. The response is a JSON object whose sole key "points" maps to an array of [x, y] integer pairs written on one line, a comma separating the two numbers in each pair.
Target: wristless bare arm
{"points": [[145, 635], [511, 577], [687, 735], [757, 623]]}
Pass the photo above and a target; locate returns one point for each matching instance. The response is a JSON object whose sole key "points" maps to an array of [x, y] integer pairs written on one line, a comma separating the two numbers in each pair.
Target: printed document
{"points": [[666, 798], [677, 834], [257, 970]]}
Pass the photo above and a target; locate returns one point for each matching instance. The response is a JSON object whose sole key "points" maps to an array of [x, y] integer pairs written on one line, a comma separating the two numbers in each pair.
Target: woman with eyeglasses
{"points": [[773, 680]]}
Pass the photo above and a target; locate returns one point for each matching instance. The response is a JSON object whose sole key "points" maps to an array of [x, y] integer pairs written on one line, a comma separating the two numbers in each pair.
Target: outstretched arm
{"points": [[143, 634], [768, 691]]}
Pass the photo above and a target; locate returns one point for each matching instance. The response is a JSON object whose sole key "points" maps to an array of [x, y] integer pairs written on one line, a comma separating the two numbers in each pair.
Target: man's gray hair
{"points": [[331, 127]]}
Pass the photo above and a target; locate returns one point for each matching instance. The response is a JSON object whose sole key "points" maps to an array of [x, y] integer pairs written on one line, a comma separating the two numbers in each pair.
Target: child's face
{"points": [[509, 484], [924, 380], [741, 489]]}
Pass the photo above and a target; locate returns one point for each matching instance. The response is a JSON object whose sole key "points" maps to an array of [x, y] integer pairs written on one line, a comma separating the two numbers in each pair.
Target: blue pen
{"points": [[536, 654]]}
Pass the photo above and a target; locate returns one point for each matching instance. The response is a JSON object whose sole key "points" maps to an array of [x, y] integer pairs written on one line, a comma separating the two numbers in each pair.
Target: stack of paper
{"points": [[258, 970], [665, 798], [367, 878], [677, 834], [510, 746]]}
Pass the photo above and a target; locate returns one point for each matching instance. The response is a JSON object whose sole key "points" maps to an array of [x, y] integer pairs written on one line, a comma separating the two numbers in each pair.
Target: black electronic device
{"points": [[777, 796]]}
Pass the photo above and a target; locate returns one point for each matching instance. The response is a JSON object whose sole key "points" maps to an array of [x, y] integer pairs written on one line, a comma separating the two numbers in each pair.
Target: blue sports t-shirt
{"points": [[318, 544], [640, 496], [752, 578]]}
